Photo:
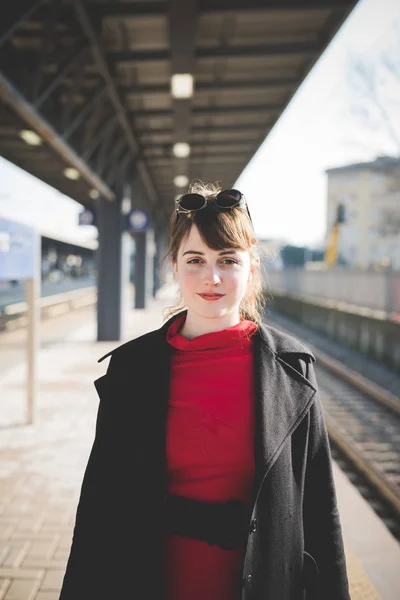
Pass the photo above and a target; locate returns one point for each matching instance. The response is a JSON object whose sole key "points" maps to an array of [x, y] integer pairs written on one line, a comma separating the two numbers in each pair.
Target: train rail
{"points": [[363, 422]]}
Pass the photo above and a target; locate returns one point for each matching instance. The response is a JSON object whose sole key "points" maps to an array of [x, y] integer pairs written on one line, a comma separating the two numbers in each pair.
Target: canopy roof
{"points": [[93, 79]]}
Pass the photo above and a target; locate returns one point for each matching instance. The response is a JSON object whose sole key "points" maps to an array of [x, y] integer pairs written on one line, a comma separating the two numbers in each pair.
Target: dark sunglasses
{"points": [[225, 200]]}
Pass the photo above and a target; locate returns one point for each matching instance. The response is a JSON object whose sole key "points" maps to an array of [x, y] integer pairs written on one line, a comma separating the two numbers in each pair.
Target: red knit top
{"points": [[210, 451]]}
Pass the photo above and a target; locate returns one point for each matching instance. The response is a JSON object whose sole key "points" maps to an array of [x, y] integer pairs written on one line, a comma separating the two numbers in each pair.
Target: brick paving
{"points": [[42, 465]]}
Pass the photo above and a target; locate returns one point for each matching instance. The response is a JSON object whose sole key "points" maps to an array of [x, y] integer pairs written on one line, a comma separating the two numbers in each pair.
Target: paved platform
{"points": [[41, 470]]}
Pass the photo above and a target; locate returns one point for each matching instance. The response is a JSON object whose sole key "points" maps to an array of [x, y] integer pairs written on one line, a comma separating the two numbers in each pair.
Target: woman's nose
{"points": [[212, 276]]}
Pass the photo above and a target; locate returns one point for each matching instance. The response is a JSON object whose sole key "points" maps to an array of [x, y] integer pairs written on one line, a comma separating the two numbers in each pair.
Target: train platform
{"points": [[42, 466]]}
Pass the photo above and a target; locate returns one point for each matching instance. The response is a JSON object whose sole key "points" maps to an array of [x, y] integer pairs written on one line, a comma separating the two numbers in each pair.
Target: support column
{"points": [[160, 251], [109, 269], [144, 266]]}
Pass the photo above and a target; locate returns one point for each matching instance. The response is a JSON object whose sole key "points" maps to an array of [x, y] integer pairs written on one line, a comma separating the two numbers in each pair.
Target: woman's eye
{"points": [[193, 261], [228, 261]]}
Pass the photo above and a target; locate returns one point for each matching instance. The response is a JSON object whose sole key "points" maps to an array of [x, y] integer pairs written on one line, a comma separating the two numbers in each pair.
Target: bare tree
{"points": [[374, 103], [374, 87]]}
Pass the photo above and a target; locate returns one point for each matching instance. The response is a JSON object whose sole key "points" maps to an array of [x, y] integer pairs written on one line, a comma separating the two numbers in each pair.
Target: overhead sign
{"points": [[138, 220], [18, 251]]}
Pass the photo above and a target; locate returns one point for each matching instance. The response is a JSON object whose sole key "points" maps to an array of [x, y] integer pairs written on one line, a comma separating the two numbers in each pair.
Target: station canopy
{"points": [[97, 92]]}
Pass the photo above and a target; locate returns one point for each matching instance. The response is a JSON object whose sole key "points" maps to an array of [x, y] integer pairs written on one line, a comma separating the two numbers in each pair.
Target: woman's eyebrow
{"points": [[233, 251]]}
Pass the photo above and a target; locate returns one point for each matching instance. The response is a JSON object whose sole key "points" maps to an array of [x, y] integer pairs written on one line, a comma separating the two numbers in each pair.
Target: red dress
{"points": [[210, 451]]}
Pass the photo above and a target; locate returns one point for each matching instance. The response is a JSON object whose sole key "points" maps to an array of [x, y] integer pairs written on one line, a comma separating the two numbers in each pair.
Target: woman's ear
{"points": [[175, 269], [255, 265]]}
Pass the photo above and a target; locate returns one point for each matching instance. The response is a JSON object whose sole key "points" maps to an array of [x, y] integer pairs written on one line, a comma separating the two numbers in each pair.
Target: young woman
{"points": [[210, 474]]}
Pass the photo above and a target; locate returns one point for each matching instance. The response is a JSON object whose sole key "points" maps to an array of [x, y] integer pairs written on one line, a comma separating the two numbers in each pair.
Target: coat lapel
{"points": [[282, 394], [283, 397]]}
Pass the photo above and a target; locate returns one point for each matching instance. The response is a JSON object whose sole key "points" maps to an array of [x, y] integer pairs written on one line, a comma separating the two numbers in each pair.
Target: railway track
{"points": [[363, 422]]}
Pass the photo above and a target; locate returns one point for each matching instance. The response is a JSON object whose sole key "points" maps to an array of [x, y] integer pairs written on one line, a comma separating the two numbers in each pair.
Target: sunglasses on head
{"points": [[224, 200]]}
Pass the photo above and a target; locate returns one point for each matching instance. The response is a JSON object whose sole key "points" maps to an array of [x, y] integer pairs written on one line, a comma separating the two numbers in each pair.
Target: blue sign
{"points": [[18, 251], [138, 220], [87, 217]]}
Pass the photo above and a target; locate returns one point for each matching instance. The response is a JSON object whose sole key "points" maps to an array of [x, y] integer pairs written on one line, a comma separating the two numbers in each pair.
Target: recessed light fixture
{"points": [[71, 173], [181, 180], [182, 85], [126, 206], [181, 150], [30, 137], [94, 194]]}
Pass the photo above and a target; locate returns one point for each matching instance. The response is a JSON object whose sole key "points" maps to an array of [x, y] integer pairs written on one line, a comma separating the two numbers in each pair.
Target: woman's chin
{"points": [[211, 310]]}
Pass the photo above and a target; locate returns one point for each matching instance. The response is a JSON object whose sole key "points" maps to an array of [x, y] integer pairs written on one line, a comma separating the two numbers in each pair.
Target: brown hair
{"points": [[219, 229]]}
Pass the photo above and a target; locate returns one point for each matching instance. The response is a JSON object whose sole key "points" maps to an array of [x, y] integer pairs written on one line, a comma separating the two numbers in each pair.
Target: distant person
{"points": [[210, 475]]}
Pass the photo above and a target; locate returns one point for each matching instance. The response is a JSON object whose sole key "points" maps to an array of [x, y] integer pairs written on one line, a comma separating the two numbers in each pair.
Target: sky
{"points": [[285, 182]]}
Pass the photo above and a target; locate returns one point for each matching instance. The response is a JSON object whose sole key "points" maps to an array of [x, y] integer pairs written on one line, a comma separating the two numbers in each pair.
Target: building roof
{"points": [[381, 163], [92, 78]]}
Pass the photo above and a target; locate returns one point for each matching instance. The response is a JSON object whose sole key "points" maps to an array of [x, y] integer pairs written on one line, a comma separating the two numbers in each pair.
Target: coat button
{"points": [[253, 526], [247, 579]]}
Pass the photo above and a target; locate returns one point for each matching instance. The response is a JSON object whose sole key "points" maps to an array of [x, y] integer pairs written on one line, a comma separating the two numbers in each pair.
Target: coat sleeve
{"points": [[93, 549], [322, 529]]}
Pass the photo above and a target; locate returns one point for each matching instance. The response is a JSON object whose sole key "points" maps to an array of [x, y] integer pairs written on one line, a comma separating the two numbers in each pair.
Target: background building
{"points": [[370, 194]]}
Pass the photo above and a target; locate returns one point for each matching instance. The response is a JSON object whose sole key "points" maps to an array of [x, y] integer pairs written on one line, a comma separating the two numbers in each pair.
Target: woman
{"points": [[210, 474]]}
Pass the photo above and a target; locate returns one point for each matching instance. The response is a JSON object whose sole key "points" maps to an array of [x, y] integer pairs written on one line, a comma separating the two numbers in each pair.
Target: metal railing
{"points": [[374, 292]]}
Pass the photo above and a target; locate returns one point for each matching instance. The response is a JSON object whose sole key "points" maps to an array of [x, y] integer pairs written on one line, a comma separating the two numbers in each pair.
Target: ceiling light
{"points": [[71, 173], [181, 150], [94, 194], [182, 85], [181, 180], [30, 137], [126, 206]]}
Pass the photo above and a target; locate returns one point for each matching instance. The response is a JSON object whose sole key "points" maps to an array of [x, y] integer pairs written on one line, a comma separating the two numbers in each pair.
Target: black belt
{"points": [[225, 524]]}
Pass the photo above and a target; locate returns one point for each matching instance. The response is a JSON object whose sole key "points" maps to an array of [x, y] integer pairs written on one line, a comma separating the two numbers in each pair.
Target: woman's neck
{"points": [[196, 325]]}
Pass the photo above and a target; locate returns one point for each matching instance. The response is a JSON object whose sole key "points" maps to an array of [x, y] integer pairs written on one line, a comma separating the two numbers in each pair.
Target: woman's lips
{"points": [[211, 297]]}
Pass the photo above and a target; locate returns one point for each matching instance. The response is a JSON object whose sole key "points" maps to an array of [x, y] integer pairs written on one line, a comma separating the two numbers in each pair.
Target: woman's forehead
{"points": [[194, 244]]}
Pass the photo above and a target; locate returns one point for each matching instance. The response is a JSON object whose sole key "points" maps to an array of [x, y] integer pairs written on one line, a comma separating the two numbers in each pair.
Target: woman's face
{"points": [[212, 282]]}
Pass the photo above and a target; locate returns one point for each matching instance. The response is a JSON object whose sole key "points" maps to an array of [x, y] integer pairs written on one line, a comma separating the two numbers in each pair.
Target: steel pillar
{"points": [[109, 268], [144, 267], [161, 248]]}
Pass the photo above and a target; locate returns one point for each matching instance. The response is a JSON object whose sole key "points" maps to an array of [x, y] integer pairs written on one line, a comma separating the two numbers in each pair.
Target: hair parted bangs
{"points": [[219, 229]]}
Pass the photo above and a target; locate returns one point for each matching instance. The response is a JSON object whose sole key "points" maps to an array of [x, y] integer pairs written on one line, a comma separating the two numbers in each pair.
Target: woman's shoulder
{"points": [[135, 346], [281, 342], [153, 340]]}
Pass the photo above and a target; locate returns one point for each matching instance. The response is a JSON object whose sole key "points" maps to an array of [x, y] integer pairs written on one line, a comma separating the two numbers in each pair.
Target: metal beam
{"points": [[113, 156], [119, 172], [220, 86], [206, 159], [200, 143], [84, 112], [30, 115], [102, 65], [156, 8], [295, 48], [206, 129], [14, 16], [182, 20], [111, 9], [200, 152], [104, 131], [280, 5], [210, 110], [62, 70]]}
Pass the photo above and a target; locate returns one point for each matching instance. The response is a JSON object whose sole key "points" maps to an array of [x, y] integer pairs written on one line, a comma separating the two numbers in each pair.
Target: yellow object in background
{"points": [[332, 248]]}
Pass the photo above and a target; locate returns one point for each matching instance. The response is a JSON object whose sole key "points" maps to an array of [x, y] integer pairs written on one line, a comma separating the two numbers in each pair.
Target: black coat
{"points": [[295, 539]]}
